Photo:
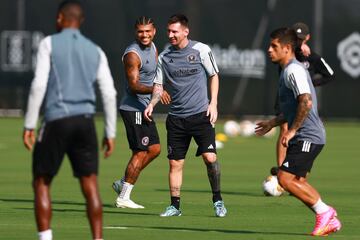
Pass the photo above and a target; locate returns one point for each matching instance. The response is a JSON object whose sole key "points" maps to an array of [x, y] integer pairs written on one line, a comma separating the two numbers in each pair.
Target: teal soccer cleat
{"points": [[170, 211], [220, 210]]}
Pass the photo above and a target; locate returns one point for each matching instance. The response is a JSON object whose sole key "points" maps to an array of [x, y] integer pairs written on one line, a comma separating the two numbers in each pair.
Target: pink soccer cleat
{"points": [[323, 221], [333, 226]]}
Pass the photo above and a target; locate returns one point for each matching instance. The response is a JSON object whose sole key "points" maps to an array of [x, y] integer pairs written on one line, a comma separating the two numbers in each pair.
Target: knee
{"points": [[209, 157], [139, 155], [176, 165], [284, 181], [154, 150]]}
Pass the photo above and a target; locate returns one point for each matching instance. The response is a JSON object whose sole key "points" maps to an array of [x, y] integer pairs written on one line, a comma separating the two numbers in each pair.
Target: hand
{"points": [[287, 136], [305, 49], [148, 112], [165, 98], [29, 139], [108, 146], [212, 111], [262, 128]]}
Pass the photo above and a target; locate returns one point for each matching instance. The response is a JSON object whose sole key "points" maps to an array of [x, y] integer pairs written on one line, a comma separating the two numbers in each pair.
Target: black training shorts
{"points": [[75, 136], [300, 157], [181, 130], [140, 133]]}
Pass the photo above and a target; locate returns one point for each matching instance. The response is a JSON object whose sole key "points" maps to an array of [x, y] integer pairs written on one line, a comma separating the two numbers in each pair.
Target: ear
{"points": [[187, 31], [59, 18]]}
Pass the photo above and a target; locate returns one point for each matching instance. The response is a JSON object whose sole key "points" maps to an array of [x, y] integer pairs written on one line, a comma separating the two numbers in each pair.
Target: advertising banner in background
{"points": [[237, 31]]}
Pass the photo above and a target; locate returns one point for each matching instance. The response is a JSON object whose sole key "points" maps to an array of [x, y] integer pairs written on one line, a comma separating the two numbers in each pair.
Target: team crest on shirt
{"points": [[191, 58], [145, 141], [306, 64]]}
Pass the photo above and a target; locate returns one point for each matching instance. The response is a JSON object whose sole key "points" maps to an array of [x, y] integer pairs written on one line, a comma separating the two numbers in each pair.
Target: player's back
{"points": [[74, 65]]}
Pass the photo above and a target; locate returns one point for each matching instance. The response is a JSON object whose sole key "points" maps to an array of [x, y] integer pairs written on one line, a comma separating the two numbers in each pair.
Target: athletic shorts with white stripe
{"points": [[140, 133], [300, 157]]}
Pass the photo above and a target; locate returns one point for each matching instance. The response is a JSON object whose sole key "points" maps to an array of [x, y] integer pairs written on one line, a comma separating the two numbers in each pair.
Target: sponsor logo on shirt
{"points": [[185, 72]]}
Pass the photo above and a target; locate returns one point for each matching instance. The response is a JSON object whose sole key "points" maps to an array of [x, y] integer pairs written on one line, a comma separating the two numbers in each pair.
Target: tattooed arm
{"points": [[156, 96], [265, 126], [304, 106]]}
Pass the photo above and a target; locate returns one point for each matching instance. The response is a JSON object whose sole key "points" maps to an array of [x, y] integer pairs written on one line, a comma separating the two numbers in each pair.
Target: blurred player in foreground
{"points": [[68, 65], [305, 136]]}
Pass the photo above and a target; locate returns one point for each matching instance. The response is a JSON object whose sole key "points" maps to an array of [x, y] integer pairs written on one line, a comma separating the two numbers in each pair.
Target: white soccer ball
{"points": [[231, 128], [271, 187], [247, 128]]}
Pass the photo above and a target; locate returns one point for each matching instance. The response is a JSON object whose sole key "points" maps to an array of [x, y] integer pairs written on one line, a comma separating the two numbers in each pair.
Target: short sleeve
{"points": [[296, 79]]}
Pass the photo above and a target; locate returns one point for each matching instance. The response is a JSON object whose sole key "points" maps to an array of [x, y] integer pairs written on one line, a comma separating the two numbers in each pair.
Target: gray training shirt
{"points": [[135, 101], [186, 72], [294, 81]]}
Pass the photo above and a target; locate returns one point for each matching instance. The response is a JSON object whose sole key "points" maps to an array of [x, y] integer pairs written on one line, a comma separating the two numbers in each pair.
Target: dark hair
{"points": [[66, 8], [144, 20], [179, 18], [285, 36]]}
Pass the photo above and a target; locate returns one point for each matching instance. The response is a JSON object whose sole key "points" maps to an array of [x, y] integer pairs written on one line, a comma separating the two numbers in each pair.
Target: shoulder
{"points": [[295, 68], [46, 42], [201, 47], [132, 48], [153, 46], [166, 51], [88, 41]]}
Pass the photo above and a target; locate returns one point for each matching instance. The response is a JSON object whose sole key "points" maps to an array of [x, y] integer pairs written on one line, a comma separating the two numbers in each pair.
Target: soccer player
{"points": [[140, 59], [186, 66], [68, 66], [320, 73], [305, 136]]}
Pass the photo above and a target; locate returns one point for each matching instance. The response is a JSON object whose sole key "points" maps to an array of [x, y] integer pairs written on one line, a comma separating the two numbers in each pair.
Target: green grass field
{"points": [[245, 163]]}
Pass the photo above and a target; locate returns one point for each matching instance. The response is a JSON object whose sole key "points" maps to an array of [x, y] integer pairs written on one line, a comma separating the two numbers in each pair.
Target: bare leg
{"points": [[153, 151], [138, 161], [298, 187], [41, 186], [213, 171], [90, 190], [175, 176]]}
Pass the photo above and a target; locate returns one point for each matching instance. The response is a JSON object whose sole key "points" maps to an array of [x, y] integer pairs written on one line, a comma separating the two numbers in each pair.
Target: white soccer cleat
{"points": [[171, 211], [220, 210], [127, 203]]}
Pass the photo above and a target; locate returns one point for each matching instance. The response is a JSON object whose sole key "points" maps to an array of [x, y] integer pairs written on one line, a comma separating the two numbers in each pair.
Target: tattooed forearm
{"points": [[304, 106], [278, 120], [156, 94]]}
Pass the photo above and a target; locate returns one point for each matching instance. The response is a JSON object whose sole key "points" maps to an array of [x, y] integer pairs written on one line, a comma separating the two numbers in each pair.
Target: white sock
{"points": [[45, 235], [320, 207], [126, 191]]}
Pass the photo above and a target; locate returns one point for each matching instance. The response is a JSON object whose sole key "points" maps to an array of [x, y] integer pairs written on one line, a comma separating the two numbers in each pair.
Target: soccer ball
{"points": [[231, 128], [271, 187], [247, 128]]}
